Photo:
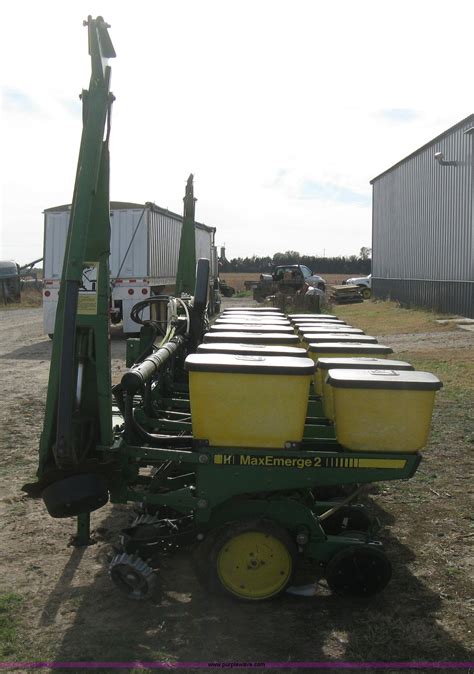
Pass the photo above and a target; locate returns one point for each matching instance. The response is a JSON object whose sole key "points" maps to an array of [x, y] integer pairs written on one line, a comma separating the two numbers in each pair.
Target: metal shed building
{"points": [[423, 225]]}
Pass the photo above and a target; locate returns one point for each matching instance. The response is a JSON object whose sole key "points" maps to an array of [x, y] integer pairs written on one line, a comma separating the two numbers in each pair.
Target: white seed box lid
{"points": [[240, 337], [247, 364], [362, 363], [248, 327], [348, 347], [252, 349], [337, 330], [311, 337], [388, 379]]}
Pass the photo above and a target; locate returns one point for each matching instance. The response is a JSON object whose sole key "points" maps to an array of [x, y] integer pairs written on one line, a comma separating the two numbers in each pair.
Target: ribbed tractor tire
{"points": [[252, 560], [76, 495]]}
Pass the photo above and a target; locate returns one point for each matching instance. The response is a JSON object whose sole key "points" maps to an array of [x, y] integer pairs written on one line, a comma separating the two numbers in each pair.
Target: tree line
{"points": [[352, 264]]}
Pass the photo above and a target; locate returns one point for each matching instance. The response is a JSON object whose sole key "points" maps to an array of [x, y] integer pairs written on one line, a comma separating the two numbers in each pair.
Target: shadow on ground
{"points": [[185, 623]]}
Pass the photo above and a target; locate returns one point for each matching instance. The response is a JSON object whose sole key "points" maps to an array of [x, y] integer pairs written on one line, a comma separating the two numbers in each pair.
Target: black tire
{"points": [[358, 571], [51, 335], [278, 540], [366, 293], [76, 495]]}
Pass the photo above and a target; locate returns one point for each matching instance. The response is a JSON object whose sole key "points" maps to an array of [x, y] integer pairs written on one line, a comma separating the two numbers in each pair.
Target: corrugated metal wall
{"points": [[422, 239], [163, 246], [54, 244], [128, 261], [154, 253], [204, 241]]}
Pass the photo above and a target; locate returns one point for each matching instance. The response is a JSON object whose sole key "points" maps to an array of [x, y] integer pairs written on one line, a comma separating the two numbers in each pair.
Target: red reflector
{"points": [[132, 280], [144, 291], [130, 291], [47, 293], [118, 280]]}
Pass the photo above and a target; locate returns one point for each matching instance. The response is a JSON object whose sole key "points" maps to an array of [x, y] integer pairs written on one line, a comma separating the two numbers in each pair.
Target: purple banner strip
{"points": [[235, 665]]}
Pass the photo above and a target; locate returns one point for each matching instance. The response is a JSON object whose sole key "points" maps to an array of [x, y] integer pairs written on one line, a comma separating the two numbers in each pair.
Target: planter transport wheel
{"points": [[253, 560], [358, 571], [132, 576], [76, 495]]}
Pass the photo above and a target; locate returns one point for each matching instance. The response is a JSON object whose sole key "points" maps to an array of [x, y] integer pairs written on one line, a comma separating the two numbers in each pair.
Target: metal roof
{"points": [[127, 205], [469, 118]]}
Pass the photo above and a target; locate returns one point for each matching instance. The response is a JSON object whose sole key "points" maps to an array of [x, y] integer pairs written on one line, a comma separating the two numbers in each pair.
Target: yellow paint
{"points": [[350, 353], [377, 420], [254, 565], [248, 410], [382, 463], [87, 299]]}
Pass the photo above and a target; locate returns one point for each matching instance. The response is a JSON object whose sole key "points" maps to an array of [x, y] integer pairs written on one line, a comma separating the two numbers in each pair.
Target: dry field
{"points": [[58, 603], [30, 298]]}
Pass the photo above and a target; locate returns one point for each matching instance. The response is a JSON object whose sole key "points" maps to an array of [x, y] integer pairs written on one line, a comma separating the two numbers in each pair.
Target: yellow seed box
{"points": [[248, 401], [383, 410]]}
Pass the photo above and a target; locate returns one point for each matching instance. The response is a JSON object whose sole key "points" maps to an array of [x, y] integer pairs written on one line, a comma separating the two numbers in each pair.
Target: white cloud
{"points": [[331, 94]]}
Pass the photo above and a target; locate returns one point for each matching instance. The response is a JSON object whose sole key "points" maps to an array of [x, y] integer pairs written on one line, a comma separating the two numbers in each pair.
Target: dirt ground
{"points": [[70, 611]]}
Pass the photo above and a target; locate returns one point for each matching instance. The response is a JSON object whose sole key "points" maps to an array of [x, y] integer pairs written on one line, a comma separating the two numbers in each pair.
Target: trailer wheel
{"points": [[76, 495], [358, 571], [366, 293], [252, 560]]}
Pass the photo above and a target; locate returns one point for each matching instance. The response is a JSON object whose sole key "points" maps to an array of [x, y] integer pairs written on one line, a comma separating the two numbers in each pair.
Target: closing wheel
{"points": [[358, 571], [132, 576], [253, 560]]}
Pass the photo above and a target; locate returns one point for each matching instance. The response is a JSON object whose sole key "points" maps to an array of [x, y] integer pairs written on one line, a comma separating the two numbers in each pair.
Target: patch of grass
{"points": [[389, 318], [8, 623], [243, 293], [455, 368], [30, 299]]}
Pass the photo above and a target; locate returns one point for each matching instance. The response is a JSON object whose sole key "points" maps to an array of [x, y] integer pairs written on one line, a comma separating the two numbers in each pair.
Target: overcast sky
{"points": [[283, 110]]}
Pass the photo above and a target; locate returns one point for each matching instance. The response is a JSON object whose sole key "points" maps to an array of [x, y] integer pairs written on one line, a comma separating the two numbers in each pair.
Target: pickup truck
{"points": [[364, 282], [288, 278]]}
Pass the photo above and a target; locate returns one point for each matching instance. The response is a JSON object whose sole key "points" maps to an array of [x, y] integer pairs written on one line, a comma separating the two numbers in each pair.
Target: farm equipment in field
{"points": [[287, 280], [223, 452], [344, 294]]}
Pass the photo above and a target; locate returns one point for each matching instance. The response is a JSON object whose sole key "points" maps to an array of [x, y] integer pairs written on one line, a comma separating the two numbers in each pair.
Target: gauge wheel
{"points": [[366, 293], [252, 560], [358, 571], [75, 495]]}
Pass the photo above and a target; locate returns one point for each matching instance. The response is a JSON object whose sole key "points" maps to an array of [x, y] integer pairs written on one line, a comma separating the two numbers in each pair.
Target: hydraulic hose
{"points": [[134, 379]]}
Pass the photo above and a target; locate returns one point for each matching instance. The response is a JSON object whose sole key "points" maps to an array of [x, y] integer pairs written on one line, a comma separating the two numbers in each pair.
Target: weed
{"points": [[389, 318], [30, 299], [8, 623]]}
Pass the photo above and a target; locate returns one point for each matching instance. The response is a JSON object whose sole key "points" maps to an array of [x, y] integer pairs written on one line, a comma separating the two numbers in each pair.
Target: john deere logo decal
{"points": [[272, 461]]}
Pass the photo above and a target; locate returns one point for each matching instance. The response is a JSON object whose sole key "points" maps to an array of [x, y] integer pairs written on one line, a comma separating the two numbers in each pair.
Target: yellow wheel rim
{"points": [[254, 565]]}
